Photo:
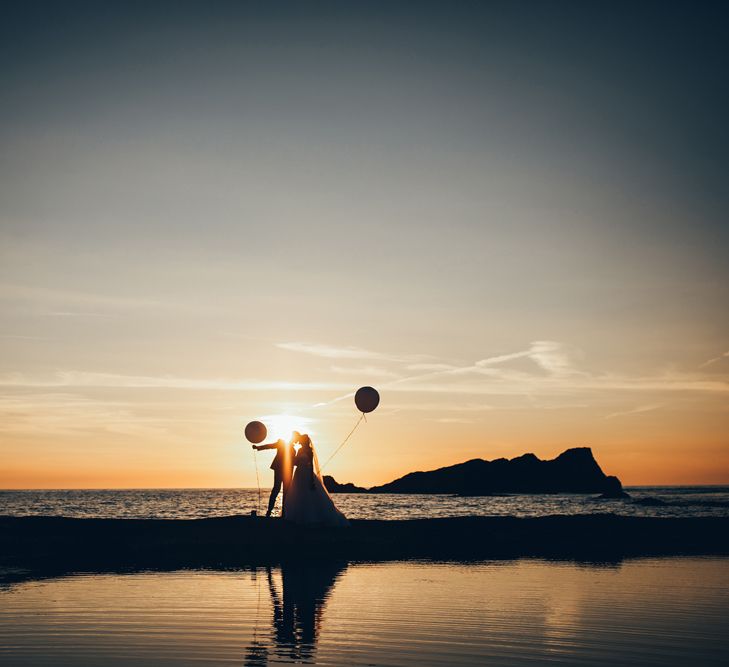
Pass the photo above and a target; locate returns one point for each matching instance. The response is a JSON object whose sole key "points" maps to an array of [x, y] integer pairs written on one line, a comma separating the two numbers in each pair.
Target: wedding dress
{"points": [[307, 500]]}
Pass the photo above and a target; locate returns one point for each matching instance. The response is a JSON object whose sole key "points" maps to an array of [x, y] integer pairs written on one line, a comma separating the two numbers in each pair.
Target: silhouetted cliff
{"points": [[573, 471], [335, 487]]}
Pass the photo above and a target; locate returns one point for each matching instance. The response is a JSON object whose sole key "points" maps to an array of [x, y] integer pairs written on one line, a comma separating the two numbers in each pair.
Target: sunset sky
{"points": [[510, 218]]}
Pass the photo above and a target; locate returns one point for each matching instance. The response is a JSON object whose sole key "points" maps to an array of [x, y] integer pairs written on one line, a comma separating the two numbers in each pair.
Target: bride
{"points": [[307, 500]]}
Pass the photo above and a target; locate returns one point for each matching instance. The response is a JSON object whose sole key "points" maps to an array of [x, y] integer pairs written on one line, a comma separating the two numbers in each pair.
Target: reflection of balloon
{"points": [[256, 432], [366, 399]]}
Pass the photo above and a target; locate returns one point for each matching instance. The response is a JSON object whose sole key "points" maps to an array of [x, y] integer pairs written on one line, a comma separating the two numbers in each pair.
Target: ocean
{"points": [[665, 501]]}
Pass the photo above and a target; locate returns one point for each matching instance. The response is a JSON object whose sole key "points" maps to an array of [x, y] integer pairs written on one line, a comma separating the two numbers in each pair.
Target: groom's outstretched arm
{"points": [[270, 445]]}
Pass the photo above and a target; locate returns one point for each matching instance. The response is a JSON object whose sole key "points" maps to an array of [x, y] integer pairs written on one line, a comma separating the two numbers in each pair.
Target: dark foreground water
{"points": [[674, 501], [643, 612]]}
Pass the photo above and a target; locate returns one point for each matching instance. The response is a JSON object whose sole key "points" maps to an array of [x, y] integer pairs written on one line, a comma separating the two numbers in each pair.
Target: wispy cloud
{"points": [[112, 380], [364, 371], [554, 377], [635, 411], [548, 355], [441, 406], [551, 356], [558, 375], [554, 374], [517, 383], [714, 360], [452, 420], [431, 367], [333, 352], [64, 414]]}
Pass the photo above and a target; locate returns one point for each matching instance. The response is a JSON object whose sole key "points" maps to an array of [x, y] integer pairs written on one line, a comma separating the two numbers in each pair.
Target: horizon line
{"points": [[253, 488]]}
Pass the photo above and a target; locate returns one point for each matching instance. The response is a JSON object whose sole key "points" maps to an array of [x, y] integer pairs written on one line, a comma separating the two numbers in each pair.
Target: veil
{"points": [[315, 461], [315, 467]]}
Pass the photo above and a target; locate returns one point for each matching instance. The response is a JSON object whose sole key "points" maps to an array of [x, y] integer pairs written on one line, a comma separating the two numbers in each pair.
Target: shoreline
{"points": [[64, 545]]}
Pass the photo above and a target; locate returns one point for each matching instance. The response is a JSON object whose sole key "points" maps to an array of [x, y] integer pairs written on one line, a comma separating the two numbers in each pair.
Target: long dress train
{"points": [[307, 500]]}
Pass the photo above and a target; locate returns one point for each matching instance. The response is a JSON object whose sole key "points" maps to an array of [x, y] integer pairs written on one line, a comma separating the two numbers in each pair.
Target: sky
{"points": [[509, 217]]}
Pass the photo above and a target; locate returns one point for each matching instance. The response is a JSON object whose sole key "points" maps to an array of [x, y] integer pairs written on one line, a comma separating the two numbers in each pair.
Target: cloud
{"points": [[333, 352], [433, 367], [555, 376], [330, 352], [549, 355], [513, 383], [364, 371], [439, 407], [112, 380], [333, 400], [714, 360], [500, 359], [634, 411], [452, 420], [64, 414]]}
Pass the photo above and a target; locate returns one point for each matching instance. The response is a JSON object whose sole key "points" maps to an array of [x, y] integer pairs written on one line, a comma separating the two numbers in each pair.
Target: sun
{"points": [[281, 426]]}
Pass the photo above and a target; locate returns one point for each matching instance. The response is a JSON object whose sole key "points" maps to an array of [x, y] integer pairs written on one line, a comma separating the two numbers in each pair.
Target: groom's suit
{"points": [[283, 470]]}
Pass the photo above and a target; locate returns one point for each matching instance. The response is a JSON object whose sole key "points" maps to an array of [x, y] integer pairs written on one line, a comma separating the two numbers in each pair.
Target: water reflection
{"points": [[646, 611], [298, 602]]}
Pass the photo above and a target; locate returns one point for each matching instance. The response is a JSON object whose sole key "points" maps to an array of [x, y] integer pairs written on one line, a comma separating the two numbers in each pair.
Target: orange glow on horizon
{"points": [[377, 453]]}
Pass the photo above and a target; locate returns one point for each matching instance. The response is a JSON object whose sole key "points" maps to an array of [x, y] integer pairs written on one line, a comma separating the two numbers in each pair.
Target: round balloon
{"points": [[366, 399], [256, 432]]}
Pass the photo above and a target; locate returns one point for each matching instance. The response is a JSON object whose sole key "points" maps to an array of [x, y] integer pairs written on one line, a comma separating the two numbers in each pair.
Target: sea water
{"points": [[670, 611], [200, 503]]}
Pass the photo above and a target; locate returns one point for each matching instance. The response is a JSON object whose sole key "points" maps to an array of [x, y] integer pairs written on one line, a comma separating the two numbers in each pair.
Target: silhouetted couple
{"points": [[305, 498]]}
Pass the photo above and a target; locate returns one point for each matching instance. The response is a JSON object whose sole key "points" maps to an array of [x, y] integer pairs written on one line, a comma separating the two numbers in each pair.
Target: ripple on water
{"points": [[643, 612], [200, 503]]}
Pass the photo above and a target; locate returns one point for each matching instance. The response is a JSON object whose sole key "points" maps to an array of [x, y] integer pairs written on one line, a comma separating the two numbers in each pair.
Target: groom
{"points": [[283, 469]]}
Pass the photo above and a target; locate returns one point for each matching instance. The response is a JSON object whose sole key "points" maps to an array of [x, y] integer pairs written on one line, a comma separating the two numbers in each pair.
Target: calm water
{"points": [[196, 503], [644, 612]]}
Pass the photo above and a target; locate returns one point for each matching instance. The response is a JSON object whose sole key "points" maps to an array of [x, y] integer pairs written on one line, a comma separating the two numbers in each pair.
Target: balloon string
{"points": [[258, 480], [344, 442]]}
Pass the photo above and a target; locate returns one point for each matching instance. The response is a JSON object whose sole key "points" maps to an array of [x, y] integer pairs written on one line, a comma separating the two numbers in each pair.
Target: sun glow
{"points": [[281, 426]]}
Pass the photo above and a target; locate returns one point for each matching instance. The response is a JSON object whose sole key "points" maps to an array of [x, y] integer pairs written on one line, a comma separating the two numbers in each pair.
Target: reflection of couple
{"points": [[297, 611], [305, 498]]}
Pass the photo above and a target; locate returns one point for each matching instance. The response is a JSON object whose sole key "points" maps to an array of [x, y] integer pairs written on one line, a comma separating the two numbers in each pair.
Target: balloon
{"points": [[256, 432], [366, 399]]}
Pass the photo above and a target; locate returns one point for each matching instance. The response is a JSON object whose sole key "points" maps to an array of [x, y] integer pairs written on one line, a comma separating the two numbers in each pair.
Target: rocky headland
{"points": [[573, 471]]}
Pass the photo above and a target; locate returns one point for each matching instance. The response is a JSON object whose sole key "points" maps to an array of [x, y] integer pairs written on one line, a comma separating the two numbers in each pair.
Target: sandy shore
{"points": [[64, 544]]}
